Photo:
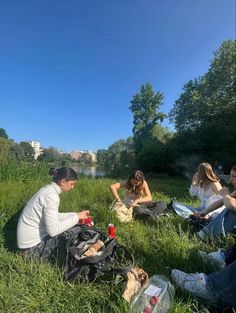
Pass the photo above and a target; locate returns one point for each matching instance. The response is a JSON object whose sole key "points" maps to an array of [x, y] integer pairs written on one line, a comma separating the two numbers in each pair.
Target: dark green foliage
{"points": [[3, 133], [120, 158], [101, 157], [28, 150], [205, 113], [145, 106], [49, 155]]}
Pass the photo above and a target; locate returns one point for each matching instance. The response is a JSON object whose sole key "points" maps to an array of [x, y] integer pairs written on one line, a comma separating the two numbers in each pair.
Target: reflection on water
{"points": [[92, 171]]}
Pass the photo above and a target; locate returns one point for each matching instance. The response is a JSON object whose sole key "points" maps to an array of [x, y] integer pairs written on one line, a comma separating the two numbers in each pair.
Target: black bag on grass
{"points": [[113, 259], [198, 223], [150, 209]]}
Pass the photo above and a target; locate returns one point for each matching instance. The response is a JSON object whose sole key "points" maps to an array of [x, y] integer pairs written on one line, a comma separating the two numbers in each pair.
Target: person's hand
{"points": [[224, 192], [206, 217], [133, 204], [83, 214], [198, 215]]}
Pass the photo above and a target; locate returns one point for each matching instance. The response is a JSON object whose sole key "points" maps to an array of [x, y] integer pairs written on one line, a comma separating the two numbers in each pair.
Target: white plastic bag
{"points": [[156, 297]]}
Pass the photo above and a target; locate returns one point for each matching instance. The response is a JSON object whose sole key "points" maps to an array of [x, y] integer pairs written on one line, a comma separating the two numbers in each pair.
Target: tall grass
{"points": [[157, 246]]}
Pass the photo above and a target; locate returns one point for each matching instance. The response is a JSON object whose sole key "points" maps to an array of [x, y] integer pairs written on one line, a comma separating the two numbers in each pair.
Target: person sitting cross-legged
{"points": [[136, 190], [225, 222], [40, 228], [206, 186]]}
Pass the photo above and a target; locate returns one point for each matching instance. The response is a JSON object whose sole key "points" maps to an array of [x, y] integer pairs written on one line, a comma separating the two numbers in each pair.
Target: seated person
{"points": [[40, 225], [136, 190], [206, 186], [225, 222], [218, 288]]}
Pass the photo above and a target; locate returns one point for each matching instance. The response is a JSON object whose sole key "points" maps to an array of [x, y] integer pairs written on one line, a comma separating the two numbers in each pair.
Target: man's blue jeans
{"points": [[223, 224], [222, 284]]}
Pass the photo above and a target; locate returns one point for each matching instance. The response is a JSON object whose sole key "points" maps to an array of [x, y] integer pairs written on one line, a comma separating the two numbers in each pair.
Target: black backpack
{"points": [[114, 259], [150, 209]]}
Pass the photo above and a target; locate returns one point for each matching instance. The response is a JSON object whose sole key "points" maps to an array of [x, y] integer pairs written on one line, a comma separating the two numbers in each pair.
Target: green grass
{"points": [[157, 246]]}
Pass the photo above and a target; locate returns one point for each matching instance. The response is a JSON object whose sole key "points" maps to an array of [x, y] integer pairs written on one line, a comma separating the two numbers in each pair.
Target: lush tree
{"points": [[145, 106], [4, 150], [86, 159], [16, 151], [210, 98], [120, 158], [205, 113], [3, 133], [50, 155], [101, 157], [153, 156], [66, 159], [28, 150]]}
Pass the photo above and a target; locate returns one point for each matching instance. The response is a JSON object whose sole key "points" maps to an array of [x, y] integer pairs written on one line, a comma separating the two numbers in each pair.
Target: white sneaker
{"points": [[193, 283], [217, 257]]}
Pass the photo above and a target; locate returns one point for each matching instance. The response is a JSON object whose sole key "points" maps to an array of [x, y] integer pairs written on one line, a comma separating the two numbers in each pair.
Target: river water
{"points": [[92, 171]]}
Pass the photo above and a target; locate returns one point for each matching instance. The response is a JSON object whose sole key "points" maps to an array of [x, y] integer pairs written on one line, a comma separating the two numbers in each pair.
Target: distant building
{"points": [[36, 146], [75, 155]]}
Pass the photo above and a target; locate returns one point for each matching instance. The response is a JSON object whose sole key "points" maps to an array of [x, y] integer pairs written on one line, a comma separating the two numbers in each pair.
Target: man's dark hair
{"points": [[63, 173]]}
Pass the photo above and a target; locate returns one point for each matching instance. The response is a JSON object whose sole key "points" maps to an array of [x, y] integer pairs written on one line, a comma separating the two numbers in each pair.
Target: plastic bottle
{"points": [[156, 297]]}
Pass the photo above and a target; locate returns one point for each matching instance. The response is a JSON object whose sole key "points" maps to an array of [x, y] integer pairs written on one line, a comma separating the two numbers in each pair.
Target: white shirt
{"points": [[207, 197], [40, 218]]}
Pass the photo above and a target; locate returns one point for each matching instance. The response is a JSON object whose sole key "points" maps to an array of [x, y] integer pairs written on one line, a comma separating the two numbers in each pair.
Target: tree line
{"points": [[12, 151], [205, 124]]}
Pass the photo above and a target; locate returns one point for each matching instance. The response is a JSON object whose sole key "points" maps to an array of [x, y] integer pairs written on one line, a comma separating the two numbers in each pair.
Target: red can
{"points": [[88, 221], [111, 230]]}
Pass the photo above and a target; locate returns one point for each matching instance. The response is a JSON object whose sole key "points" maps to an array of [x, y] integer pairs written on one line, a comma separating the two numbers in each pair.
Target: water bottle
{"points": [[155, 297]]}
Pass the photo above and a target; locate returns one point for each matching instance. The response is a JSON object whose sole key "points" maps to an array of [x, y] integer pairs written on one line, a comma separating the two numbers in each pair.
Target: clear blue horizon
{"points": [[68, 70]]}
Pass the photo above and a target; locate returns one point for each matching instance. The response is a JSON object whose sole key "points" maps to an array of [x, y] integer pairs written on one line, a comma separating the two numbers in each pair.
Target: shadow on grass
{"points": [[9, 232]]}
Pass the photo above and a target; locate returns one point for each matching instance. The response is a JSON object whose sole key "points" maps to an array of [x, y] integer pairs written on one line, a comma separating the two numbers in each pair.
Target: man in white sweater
{"points": [[40, 225]]}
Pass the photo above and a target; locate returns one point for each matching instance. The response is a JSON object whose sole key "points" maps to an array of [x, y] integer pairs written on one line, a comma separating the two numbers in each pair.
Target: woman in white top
{"points": [[40, 224], [136, 190], [206, 186]]}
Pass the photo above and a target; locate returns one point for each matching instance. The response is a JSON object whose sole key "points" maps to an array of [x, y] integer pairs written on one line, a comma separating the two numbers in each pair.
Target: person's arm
{"points": [[214, 206], [229, 199], [147, 195], [55, 222], [114, 189], [194, 188], [216, 187]]}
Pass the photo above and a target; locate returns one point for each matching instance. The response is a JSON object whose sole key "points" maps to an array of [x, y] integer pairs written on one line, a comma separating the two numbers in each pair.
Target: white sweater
{"points": [[40, 218]]}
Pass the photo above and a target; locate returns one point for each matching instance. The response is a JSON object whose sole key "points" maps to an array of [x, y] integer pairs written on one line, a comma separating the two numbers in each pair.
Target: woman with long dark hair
{"points": [[40, 225], [136, 190]]}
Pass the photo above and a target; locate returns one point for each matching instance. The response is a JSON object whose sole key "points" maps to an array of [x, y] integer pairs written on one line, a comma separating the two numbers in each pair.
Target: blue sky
{"points": [[68, 69]]}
